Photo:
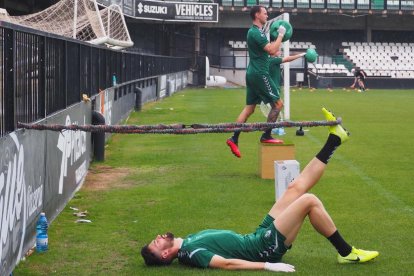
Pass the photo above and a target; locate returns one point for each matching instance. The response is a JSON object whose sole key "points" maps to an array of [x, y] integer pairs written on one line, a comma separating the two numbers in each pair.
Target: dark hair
{"points": [[254, 10], [151, 259]]}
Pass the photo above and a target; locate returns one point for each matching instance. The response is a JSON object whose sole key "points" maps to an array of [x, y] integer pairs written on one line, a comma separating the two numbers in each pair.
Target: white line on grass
{"points": [[383, 192]]}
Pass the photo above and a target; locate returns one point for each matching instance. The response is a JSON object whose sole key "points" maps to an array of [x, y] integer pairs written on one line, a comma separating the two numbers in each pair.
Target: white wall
{"points": [[237, 76]]}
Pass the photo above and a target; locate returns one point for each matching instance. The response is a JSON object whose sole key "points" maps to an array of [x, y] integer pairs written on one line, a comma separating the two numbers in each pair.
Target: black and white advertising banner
{"points": [[22, 181], [39, 171], [176, 11]]}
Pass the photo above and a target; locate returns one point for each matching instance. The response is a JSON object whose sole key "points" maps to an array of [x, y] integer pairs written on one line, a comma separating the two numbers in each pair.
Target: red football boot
{"points": [[233, 147]]}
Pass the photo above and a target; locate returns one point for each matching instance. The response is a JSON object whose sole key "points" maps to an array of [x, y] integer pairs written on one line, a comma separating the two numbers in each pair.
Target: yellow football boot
{"points": [[337, 130], [358, 256]]}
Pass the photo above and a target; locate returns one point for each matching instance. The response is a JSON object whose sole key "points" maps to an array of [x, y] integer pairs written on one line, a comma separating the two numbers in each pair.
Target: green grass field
{"points": [[151, 184]]}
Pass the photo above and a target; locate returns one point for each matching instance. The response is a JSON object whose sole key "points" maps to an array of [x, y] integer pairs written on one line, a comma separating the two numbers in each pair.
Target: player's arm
{"points": [[292, 57], [238, 264], [272, 47], [355, 80], [353, 85]]}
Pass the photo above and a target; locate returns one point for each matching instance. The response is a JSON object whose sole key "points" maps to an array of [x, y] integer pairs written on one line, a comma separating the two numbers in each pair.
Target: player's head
{"points": [[259, 13], [159, 250]]}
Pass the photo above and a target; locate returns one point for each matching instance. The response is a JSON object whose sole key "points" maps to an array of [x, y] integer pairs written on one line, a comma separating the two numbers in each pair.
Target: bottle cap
{"points": [[42, 214]]}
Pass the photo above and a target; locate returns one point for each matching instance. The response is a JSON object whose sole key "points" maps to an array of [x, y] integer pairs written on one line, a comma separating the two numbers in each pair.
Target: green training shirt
{"points": [[198, 249], [274, 70], [259, 58]]}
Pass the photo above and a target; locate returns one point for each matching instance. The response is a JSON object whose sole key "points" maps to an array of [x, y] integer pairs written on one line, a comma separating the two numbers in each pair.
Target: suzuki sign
{"points": [[176, 11]]}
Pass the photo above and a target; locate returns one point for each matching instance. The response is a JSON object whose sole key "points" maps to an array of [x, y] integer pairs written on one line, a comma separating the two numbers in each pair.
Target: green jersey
{"points": [[274, 70], [265, 244], [259, 58]]}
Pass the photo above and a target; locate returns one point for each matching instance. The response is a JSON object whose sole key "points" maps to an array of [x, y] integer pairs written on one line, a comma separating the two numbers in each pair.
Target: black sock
{"points": [[235, 137], [340, 244], [328, 149], [267, 133]]}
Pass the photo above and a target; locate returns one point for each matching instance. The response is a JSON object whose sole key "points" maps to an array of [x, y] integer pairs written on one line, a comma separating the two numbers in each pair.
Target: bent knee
{"points": [[279, 104], [311, 199]]}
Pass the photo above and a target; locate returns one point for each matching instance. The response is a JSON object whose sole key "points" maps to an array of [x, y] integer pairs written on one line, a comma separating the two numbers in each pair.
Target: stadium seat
{"points": [[382, 58], [377, 59]]}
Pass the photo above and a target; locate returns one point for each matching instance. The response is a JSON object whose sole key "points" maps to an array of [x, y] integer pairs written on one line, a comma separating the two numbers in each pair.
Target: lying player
{"points": [[264, 248]]}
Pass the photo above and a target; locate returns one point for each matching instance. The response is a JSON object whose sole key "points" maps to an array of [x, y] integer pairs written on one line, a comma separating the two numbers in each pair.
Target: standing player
{"points": [[360, 76], [259, 85]]}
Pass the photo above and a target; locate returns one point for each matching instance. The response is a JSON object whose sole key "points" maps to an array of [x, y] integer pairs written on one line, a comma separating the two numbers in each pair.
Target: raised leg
{"points": [[299, 186]]}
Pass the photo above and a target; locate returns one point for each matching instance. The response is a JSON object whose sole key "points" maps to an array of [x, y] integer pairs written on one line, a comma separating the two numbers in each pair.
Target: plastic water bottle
{"points": [[113, 79], [279, 130], [41, 233]]}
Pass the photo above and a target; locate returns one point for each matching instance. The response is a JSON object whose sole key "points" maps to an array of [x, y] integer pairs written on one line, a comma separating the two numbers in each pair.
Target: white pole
{"points": [[75, 18], [286, 76]]}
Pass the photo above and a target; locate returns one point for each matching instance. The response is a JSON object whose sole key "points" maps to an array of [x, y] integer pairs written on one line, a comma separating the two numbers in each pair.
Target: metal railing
{"points": [[325, 4], [41, 73]]}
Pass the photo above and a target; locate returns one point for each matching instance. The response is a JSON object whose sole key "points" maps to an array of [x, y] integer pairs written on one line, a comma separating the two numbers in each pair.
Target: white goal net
{"points": [[79, 19]]}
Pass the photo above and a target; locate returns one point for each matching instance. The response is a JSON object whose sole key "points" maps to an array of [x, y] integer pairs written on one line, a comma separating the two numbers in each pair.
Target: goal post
{"points": [[79, 19]]}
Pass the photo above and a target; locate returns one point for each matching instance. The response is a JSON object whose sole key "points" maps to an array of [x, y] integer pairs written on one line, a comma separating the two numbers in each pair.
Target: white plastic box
{"points": [[285, 172]]}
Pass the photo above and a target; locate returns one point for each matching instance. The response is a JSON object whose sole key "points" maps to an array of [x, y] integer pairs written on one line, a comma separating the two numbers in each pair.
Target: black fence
{"points": [[41, 73]]}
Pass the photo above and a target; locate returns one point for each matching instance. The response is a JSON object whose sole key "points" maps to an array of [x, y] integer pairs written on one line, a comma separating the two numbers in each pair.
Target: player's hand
{"points": [[281, 30], [279, 267]]}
